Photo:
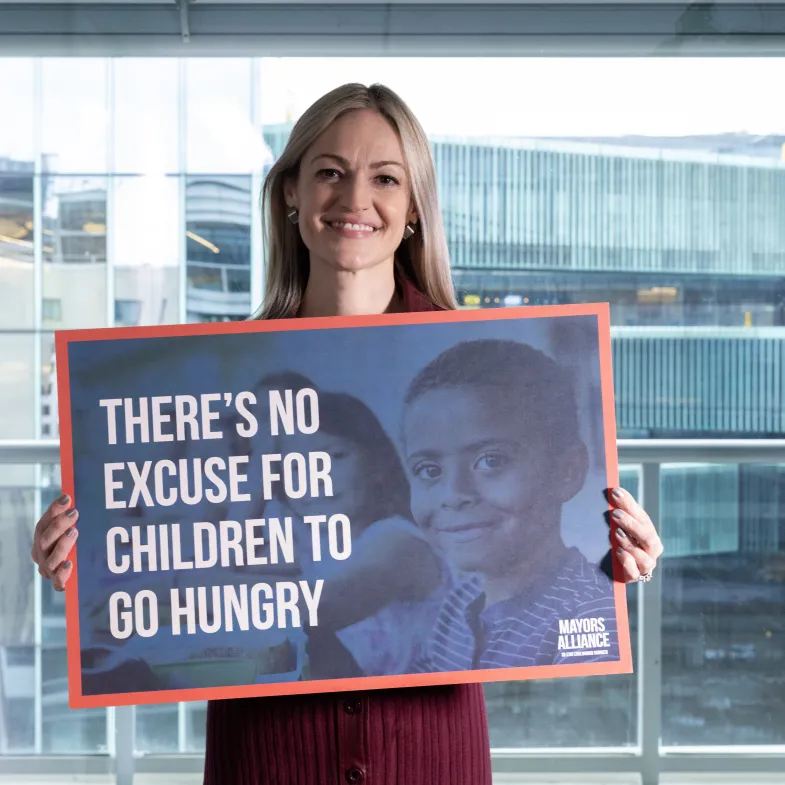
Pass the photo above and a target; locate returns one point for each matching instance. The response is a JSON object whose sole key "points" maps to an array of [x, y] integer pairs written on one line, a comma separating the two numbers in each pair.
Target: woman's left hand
{"points": [[637, 544]]}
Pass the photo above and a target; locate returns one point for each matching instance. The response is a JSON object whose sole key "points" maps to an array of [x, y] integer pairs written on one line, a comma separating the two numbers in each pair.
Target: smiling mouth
{"points": [[347, 227], [466, 528]]}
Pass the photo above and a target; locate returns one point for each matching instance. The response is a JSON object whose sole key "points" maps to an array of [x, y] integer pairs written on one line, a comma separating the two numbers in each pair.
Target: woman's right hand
{"points": [[53, 539]]}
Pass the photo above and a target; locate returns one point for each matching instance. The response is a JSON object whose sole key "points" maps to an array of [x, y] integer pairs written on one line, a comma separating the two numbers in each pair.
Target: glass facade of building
{"points": [[129, 195]]}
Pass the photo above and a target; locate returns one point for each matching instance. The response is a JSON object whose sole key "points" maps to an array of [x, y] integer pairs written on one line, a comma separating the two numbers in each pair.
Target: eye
{"points": [[427, 471], [328, 174], [387, 180], [491, 461]]}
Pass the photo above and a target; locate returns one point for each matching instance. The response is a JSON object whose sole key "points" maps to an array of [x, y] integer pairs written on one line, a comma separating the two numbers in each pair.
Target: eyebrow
{"points": [[343, 162], [468, 448]]}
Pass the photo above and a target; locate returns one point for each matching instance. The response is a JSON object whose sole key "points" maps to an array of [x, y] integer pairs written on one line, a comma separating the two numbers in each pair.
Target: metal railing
{"points": [[645, 761]]}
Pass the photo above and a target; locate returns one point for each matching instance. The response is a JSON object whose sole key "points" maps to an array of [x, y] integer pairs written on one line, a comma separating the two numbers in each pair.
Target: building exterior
{"points": [[218, 247]]}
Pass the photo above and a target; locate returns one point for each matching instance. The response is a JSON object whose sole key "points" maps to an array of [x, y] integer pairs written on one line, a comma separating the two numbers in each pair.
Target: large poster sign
{"points": [[338, 504]]}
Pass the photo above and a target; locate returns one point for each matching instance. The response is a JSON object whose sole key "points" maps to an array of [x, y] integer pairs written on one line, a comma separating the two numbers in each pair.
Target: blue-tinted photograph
{"points": [[278, 506]]}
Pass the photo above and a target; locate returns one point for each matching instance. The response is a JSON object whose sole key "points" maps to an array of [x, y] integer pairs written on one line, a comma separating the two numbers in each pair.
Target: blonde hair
{"points": [[424, 257]]}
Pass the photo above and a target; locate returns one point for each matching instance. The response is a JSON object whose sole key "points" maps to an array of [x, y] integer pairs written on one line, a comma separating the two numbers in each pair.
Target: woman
{"points": [[354, 228]]}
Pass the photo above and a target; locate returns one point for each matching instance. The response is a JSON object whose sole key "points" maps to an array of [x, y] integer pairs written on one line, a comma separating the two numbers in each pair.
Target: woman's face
{"points": [[353, 193]]}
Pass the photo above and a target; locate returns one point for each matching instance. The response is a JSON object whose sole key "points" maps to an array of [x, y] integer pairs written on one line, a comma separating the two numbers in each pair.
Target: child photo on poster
{"points": [[494, 451]]}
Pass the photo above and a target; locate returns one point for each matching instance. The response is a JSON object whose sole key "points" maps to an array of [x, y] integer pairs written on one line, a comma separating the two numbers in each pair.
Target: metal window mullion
{"points": [[110, 195], [111, 741], [124, 735], [650, 645], [48, 768], [27, 451], [257, 180], [38, 283], [120, 738], [38, 250], [182, 728], [182, 86]]}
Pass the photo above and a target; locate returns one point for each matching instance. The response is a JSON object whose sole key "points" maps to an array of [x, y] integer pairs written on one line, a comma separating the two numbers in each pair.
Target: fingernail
{"points": [[67, 565], [617, 514], [64, 499], [71, 532], [621, 533], [620, 551], [71, 513], [617, 493]]}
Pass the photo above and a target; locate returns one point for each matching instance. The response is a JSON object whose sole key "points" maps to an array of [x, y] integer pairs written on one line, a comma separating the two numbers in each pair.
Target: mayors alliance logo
{"points": [[585, 637]]}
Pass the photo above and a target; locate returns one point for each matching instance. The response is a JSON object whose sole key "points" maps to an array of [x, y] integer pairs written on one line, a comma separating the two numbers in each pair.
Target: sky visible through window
{"points": [[552, 96]]}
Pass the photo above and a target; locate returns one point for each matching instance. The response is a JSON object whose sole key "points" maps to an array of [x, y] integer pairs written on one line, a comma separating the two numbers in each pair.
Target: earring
{"points": [[293, 215], [408, 231]]}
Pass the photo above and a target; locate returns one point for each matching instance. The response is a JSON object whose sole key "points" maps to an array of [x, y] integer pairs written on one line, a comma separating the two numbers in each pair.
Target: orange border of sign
{"points": [[65, 337]]}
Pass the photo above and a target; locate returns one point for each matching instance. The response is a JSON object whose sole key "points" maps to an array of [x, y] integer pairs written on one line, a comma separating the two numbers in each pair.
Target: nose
{"points": [[356, 194], [459, 490]]}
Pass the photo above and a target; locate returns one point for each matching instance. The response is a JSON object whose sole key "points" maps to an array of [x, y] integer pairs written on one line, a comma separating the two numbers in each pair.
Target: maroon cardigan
{"points": [[417, 736]]}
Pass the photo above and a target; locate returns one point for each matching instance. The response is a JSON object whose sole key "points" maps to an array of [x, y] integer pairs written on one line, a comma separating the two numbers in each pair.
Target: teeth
{"points": [[353, 227]]}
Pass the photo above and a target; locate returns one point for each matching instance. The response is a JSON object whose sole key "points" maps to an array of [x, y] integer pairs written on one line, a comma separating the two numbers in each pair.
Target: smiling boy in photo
{"points": [[493, 450]]}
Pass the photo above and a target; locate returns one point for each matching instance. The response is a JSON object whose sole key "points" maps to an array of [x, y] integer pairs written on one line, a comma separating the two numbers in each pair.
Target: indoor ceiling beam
{"points": [[395, 28]]}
